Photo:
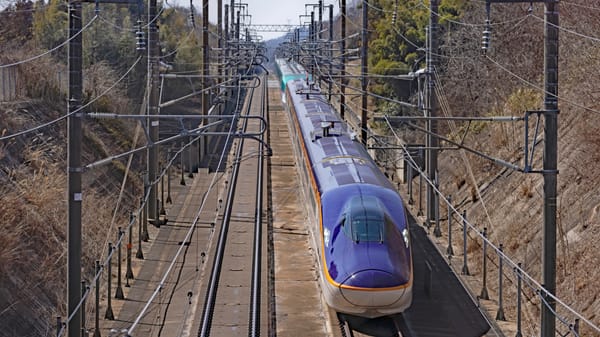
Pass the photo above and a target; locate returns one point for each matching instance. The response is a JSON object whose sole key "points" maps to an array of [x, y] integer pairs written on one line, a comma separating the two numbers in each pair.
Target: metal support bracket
{"points": [[530, 145]]}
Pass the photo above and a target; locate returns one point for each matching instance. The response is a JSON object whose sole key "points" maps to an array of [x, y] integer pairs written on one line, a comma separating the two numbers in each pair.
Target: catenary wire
{"points": [[513, 262], [56, 120], [53, 49], [540, 289], [529, 83], [570, 31]]}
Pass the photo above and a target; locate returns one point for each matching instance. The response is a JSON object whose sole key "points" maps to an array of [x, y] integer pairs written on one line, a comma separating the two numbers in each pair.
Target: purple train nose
{"points": [[363, 288]]}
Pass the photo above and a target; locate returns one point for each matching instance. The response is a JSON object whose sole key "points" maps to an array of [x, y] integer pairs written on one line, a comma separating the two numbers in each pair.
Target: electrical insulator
{"points": [[192, 20], [140, 39], [487, 34], [394, 18], [486, 40]]}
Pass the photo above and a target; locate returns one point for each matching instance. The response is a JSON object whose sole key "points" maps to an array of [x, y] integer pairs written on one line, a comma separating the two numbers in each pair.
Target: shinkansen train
{"points": [[359, 224]]}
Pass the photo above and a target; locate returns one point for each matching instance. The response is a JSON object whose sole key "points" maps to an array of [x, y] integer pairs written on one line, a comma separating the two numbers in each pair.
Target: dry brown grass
{"points": [[33, 235], [33, 207], [514, 200]]}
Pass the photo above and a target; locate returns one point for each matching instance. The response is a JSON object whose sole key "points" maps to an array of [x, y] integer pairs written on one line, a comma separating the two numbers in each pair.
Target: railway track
{"points": [[282, 296], [243, 290], [392, 326], [233, 304], [297, 307]]}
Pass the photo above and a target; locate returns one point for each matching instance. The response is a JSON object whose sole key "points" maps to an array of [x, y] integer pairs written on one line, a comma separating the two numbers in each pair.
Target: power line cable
{"points": [[531, 84], [561, 27], [383, 10], [194, 223], [540, 289], [53, 49], [44, 125], [190, 232], [473, 228], [563, 2], [116, 26], [445, 105], [180, 44], [475, 25]]}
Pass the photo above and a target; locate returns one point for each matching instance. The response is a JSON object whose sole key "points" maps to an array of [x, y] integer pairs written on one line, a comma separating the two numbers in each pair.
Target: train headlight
{"points": [[405, 236]]}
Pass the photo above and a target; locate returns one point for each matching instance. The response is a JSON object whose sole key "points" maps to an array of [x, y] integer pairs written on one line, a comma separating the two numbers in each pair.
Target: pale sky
{"points": [[262, 11], [271, 11]]}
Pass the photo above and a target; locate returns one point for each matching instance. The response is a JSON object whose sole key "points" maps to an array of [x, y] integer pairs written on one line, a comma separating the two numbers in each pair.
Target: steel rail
{"points": [[213, 285], [254, 324]]}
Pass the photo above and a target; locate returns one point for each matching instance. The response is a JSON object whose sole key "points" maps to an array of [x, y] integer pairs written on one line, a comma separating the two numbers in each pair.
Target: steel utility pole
{"points": [[330, 54], [430, 110], [550, 164], [364, 70], [152, 125], [343, 68], [205, 98], [231, 7], [220, 45], [550, 161], [297, 49], [319, 37], [237, 32], [312, 38], [226, 43], [74, 169], [320, 28]]}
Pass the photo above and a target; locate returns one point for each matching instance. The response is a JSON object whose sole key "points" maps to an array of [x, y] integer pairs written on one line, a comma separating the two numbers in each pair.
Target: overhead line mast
{"points": [[430, 111], [74, 169], [76, 113], [203, 142], [550, 161], [343, 70], [152, 124], [364, 70]]}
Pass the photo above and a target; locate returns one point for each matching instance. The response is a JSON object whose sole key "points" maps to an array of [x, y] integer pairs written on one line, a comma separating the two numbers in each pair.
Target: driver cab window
{"points": [[364, 220]]}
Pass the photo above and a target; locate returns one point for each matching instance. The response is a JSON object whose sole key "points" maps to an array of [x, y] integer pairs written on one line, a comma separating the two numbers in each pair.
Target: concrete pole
{"points": [[550, 165], [74, 170], [152, 153]]}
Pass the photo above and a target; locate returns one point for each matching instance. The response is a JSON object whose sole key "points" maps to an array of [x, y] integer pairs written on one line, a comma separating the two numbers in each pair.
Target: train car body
{"points": [[288, 71], [361, 233]]}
